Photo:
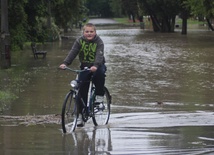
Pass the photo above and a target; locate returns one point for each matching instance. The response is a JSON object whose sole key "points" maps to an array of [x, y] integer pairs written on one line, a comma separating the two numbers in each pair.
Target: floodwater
{"points": [[162, 97]]}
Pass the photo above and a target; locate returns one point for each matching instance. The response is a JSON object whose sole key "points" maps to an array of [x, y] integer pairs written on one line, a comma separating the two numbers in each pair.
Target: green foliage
{"points": [[99, 8], [162, 13], [161, 8], [116, 8], [130, 7], [69, 12], [17, 24], [18, 37], [201, 7], [28, 21], [36, 12]]}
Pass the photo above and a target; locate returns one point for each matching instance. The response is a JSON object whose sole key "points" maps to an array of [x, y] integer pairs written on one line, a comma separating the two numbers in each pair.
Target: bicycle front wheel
{"points": [[102, 111], [69, 113]]}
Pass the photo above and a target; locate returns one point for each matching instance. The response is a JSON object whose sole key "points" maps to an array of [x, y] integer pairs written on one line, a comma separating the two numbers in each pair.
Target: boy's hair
{"points": [[89, 25]]}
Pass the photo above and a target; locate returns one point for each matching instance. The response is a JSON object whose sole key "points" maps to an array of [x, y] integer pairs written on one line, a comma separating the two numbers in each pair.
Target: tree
{"points": [[131, 9], [99, 8], [37, 14], [69, 12], [31, 20], [5, 37], [17, 24], [185, 13], [204, 8], [162, 13], [116, 8]]}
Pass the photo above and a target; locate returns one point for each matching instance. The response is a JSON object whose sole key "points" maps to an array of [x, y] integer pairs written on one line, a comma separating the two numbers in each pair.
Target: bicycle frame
{"points": [[76, 90]]}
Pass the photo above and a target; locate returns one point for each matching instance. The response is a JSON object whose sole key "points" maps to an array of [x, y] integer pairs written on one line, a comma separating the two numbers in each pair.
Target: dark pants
{"points": [[98, 80]]}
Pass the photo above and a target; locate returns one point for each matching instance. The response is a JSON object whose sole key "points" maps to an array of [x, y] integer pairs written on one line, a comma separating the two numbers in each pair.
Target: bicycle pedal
{"points": [[91, 114], [101, 107]]}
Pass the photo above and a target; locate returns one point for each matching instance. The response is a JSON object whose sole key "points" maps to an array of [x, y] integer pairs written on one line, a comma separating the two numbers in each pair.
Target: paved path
{"points": [[102, 21]]}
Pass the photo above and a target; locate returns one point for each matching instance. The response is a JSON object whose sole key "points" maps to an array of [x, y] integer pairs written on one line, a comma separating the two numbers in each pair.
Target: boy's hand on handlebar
{"points": [[62, 66], [93, 69]]}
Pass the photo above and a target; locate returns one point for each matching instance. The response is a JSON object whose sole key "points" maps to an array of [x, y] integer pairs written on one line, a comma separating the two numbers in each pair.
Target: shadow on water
{"points": [[162, 89]]}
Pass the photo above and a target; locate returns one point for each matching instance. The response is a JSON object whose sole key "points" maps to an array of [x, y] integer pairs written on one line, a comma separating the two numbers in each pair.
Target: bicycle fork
{"points": [[89, 99]]}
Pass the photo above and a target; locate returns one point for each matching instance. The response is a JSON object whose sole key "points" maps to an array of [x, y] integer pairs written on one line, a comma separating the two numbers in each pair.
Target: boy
{"points": [[90, 49]]}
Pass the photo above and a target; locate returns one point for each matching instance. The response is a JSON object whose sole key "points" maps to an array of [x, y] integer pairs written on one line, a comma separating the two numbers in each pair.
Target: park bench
{"points": [[36, 53]]}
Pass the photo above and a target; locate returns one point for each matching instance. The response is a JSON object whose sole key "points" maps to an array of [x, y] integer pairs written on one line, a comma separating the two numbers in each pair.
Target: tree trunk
{"points": [[155, 24], [184, 26], [166, 25], [133, 18], [209, 24], [173, 24], [5, 55], [184, 16]]}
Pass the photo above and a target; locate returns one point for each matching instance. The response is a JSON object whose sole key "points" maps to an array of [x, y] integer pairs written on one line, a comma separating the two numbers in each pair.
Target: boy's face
{"points": [[89, 33]]}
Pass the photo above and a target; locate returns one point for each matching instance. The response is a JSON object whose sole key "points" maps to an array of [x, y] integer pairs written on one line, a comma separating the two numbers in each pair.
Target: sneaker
{"points": [[80, 122], [99, 101]]}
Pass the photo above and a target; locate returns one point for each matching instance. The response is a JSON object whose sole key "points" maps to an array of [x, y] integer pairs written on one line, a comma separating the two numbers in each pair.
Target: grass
{"points": [[178, 21], [122, 20], [190, 21]]}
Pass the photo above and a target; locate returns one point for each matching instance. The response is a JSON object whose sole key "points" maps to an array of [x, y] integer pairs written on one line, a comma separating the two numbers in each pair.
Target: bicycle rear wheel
{"points": [[69, 113], [102, 112]]}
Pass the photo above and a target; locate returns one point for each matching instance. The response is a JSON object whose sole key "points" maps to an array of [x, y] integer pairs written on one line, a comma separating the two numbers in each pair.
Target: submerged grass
{"points": [[13, 80], [125, 20], [6, 96]]}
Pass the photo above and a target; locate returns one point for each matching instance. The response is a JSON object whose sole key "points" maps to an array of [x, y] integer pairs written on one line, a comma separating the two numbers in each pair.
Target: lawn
{"points": [[178, 21]]}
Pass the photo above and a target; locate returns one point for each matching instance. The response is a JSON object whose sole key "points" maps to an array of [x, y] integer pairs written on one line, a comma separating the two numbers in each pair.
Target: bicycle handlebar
{"points": [[77, 71]]}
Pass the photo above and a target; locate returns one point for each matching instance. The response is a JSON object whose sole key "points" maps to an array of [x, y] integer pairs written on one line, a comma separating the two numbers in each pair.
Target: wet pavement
{"points": [[162, 90], [103, 21]]}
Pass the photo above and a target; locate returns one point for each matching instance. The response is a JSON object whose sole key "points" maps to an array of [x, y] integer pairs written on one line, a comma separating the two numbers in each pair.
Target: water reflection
{"points": [[88, 142], [145, 133]]}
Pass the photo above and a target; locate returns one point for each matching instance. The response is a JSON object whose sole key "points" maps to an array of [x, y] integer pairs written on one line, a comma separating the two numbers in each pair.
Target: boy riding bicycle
{"points": [[90, 49]]}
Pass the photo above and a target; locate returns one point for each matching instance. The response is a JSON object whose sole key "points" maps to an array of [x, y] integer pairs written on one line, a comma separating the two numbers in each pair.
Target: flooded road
{"points": [[162, 98]]}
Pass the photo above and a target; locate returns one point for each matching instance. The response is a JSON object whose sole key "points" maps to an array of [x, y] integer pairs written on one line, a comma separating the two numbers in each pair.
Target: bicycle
{"points": [[70, 112]]}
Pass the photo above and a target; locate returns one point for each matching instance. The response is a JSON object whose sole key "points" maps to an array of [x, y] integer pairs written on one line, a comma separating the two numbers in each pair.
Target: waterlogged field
{"points": [[162, 97]]}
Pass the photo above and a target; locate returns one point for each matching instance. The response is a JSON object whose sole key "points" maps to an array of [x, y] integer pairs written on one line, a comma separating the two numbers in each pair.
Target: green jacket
{"points": [[91, 53]]}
